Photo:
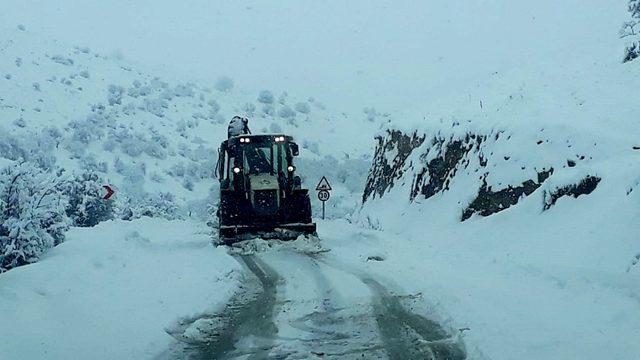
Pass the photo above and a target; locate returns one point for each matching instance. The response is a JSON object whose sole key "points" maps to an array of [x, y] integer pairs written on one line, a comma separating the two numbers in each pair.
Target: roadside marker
{"points": [[110, 192], [324, 193]]}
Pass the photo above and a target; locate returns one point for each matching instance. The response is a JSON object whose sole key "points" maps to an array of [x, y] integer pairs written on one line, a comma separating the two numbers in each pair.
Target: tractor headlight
{"points": [[245, 140], [279, 138], [291, 168], [236, 170]]}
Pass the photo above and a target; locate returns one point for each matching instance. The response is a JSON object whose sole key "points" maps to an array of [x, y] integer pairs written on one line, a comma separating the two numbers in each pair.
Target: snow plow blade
{"points": [[233, 234]]}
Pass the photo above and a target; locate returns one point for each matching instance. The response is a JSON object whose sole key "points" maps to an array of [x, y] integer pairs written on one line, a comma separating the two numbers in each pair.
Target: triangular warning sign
{"points": [[323, 185]]}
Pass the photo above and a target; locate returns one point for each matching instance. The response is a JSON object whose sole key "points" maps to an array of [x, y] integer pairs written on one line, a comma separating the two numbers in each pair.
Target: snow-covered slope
{"points": [[70, 107], [518, 215], [110, 291]]}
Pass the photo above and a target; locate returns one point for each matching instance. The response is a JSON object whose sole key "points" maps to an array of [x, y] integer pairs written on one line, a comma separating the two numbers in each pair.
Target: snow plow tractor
{"points": [[260, 195]]}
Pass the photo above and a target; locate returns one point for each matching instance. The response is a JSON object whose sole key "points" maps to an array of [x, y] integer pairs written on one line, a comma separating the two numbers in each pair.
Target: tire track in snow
{"points": [[406, 335], [327, 313], [245, 328], [325, 309]]}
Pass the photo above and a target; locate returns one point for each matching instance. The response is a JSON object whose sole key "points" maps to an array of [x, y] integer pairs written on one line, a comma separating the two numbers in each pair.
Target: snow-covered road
{"points": [[299, 305], [115, 292]]}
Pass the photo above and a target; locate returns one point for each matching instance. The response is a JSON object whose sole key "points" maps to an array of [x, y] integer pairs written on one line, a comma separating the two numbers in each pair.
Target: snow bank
{"points": [[512, 293], [518, 218], [109, 292]]}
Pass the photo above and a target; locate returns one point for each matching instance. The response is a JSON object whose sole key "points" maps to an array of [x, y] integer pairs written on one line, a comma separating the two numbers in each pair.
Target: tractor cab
{"points": [[259, 190]]}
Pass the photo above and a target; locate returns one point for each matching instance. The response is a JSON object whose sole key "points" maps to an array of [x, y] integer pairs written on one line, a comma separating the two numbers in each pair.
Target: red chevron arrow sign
{"points": [[110, 192]]}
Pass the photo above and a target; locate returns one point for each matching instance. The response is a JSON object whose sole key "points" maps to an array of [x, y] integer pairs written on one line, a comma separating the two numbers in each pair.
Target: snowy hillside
{"points": [[147, 134], [524, 209]]}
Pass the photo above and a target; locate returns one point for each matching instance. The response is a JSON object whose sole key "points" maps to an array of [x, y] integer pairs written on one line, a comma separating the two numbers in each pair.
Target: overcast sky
{"points": [[389, 54]]}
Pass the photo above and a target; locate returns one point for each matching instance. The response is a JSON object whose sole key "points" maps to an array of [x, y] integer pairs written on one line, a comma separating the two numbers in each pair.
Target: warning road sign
{"points": [[323, 189], [323, 185]]}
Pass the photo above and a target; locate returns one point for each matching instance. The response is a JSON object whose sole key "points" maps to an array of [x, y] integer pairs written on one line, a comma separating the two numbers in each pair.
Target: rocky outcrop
{"points": [[437, 173], [584, 187], [430, 165], [489, 202], [389, 160]]}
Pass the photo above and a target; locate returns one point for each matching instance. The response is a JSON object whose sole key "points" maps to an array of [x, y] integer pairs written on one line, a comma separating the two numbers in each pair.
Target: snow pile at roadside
{"points": [[109, 292], [505, 308], [303, 244]]}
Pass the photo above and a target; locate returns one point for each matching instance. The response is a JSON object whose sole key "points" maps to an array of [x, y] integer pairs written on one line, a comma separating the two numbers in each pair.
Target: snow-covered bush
{"points": [[86, 207], [177, 170], [155, 177], [183, 90], [371, 113], [133, 146], [43, 159], [155, 150], [159, 139], [50, 137], [286, 112], [303, 107], [20, 122], [187, 183], [110, 144], [268, 110], [214, 106], [11, 148], [119, 166], [87, 130], [275, 128], [32, 214], [630, 31], [139, 90], [249, 108], [266, 97], [283, 98], [89, 163], [160, 205], [156, 107], [311, 146], [62, 60], [224, 84], [114, 96]]}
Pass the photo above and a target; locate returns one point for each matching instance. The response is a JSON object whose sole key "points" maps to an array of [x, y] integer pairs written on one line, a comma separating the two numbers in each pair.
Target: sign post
{"points": [[324, 194]]}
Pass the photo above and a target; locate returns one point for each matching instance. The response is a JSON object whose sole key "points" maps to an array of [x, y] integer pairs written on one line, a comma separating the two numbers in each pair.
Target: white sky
{"points": [[350, 54]]}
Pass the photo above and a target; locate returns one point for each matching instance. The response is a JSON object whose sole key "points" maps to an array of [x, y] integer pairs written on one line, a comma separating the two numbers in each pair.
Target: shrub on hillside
{"points": [[286, 112], [114, 96], [86, 207], [630, 31], [32, 214], [303, 107], [157, 205], [224, 84], [11, 148], [266, 97], [156, 107]]}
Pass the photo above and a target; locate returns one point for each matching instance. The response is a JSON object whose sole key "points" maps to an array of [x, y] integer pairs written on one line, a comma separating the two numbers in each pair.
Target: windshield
{"points": [[264, 158]]}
